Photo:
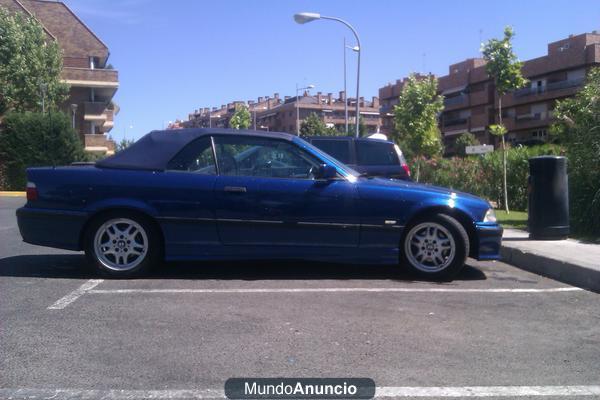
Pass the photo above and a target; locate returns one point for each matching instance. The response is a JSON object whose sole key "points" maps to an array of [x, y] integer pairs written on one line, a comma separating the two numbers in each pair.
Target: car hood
{"points": [[423, 188]]}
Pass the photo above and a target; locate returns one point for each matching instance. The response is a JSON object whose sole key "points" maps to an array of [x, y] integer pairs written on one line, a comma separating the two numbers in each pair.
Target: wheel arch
{"points": [[125, 210], [461, 216]]}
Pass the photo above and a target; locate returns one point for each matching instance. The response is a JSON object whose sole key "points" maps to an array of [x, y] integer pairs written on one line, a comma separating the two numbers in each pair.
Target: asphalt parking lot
{"points": [[186, 328]]}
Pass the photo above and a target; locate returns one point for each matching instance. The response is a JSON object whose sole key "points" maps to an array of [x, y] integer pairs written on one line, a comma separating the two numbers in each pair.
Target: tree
{"points": [[240, 118], [30, 66], [578, 128], [123, 144], [504, 67], [415, 119], [313, 125], [464, 140], [362, 128], [35, 139]]}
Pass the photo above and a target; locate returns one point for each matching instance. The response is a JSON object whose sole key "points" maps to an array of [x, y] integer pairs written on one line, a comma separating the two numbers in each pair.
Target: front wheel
{"points": [[121, 245], [435, 246]]}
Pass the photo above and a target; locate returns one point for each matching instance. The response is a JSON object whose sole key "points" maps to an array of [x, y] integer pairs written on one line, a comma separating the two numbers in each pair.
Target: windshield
{"points": [[346, 170]]}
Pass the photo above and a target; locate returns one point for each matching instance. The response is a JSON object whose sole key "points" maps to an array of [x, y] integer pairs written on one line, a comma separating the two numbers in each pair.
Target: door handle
{"points": [[235, 189]]}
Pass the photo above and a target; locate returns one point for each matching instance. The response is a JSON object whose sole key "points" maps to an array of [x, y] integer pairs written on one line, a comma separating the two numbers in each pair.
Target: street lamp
{"points": [[356, 49], [297, 106], [303, 18]]}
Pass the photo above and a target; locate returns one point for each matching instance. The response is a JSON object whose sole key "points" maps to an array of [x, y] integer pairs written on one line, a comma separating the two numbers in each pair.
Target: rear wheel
{"points": [[121, 245], [435, 246]]}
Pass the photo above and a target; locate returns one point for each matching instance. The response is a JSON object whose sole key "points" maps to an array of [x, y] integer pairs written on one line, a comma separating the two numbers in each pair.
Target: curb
{"points": [[12, 194], [565, 272]]}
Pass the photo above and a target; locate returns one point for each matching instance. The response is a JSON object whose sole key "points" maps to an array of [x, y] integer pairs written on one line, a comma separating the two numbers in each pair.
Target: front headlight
{"points": [[490, 216]]}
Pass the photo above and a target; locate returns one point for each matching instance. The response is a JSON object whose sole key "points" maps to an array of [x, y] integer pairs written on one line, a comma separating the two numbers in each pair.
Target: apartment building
{"points": [[92, 80], [471, 105], [277, 114]]}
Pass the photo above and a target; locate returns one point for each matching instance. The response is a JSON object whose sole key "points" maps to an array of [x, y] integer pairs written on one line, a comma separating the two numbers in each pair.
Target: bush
{"points": [[578, 128], [482, 175], [34, 139]]}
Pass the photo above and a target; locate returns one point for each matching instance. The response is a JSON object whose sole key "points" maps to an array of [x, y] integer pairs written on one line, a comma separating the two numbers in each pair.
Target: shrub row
{"points": [[35, 139], [482, 175]]}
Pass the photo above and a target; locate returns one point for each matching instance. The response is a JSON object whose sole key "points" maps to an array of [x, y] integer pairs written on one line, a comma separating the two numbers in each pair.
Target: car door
{"points": [[185, 200], [265, 196]]}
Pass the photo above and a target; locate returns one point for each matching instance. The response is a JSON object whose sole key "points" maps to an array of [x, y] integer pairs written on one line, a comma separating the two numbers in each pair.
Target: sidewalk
{"points": [[568, 261]]}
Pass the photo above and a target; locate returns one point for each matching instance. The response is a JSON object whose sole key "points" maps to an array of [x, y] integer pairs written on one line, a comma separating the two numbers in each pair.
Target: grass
{"points": [[516, 219]]}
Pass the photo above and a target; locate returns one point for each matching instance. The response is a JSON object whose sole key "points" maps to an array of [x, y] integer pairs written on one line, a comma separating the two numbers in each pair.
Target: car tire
{"points": [[122, 245], [435, 247]]}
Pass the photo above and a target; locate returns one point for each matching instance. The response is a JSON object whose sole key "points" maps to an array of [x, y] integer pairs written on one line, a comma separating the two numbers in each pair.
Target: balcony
{"points": [[109, 122], [94, 111], [550, 87], [528, 121], [550, 91], [99, 144], [455, 122], [97, 78], [455, 100]]}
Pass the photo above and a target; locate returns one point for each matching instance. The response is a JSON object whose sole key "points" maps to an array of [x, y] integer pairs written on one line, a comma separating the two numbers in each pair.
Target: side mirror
{"points": [[323, 172]]}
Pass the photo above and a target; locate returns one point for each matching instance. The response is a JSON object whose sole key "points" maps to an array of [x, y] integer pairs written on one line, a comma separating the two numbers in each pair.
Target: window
{"points": [[375, 153], [338, 149], [195, 157], [261, 157]]}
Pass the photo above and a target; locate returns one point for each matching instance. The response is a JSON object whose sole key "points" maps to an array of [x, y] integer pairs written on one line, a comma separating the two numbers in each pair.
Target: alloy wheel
{"points": [[121, 244], [430, 247]]}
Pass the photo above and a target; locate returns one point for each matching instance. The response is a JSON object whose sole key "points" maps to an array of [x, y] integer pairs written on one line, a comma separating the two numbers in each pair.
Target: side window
{"points": [[196, 157], [254, 156], [375, 153], [338, 149]]}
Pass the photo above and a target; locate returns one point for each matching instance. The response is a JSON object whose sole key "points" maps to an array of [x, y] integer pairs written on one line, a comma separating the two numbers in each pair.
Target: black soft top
{"points": [[154, 150]]}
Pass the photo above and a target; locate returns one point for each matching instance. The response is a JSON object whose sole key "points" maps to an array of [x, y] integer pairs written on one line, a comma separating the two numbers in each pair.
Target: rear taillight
{"points": [[406, 169], [32, 193]]}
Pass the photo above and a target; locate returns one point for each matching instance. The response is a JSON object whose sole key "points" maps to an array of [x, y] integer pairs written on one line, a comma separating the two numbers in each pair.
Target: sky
{"points": [[174, 56]]}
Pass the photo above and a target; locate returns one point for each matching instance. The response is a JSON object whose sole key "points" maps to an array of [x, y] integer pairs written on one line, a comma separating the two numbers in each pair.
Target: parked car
{"points": [[370, 157], [215, 194]]}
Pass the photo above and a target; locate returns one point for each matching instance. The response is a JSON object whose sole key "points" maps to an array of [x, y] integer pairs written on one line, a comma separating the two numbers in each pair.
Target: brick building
{"points": [[277, 114], [92, 81], [471, 105]]}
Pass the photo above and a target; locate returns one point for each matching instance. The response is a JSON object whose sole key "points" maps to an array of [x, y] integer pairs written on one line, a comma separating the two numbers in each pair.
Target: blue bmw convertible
{"points": [[219, 194]]}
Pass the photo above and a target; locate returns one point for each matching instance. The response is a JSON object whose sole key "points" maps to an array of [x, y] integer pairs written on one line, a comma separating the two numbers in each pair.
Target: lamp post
{"points": [[303, 18], [297, 106], [254, 110], [355, 48], [43, 90], [73, 112]]}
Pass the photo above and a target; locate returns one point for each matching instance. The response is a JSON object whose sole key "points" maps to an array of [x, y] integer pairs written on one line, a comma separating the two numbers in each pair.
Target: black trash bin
{"points": [[548, 198]]}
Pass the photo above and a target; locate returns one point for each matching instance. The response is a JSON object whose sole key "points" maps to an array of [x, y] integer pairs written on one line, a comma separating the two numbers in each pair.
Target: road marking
{"points": [[487, 391], [70, 394], [380, 392], [335, 290], [75, 294], [12, 194]]}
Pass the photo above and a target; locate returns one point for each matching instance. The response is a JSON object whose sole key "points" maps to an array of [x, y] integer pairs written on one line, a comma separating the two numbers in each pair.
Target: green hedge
{"points": [[482, 175], [35, 139]]}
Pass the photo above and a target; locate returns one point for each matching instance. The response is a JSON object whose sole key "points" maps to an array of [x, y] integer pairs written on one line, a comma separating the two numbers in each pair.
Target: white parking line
{"points": [[335, 290], [380, 392], [70, 394], [75, 294], [487, 391]]}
